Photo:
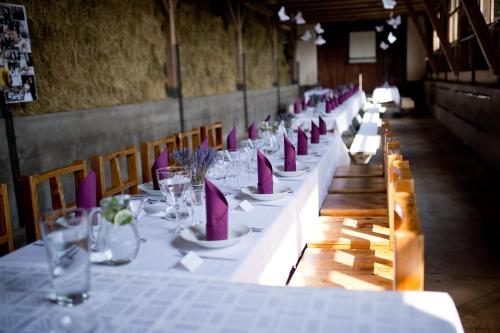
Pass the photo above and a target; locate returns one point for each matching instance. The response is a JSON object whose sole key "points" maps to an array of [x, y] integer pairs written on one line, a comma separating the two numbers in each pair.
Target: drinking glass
{"points": [[136, 202], [66, 236], [175, 183]]}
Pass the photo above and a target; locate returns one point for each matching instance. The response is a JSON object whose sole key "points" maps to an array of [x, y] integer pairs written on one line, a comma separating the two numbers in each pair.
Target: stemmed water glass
{"points": [[175, 183]]}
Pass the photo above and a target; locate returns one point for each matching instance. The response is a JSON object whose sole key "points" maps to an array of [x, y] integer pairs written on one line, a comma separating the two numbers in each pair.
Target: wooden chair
{"points": [[156, 147], [6, 236], [214, 134], [29, 190], [118, 184], [190, 139], [373, 268]]}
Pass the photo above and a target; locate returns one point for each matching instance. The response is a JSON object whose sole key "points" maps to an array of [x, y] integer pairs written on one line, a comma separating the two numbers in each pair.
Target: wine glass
{"points": [[175, 183]]}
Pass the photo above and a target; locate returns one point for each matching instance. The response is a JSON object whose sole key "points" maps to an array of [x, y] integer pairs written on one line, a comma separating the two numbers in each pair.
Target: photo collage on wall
{"points": [[17, 75]]}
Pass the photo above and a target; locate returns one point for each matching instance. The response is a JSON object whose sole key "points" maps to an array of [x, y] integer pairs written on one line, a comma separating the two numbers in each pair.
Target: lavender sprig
{"points": [[199, 161]]}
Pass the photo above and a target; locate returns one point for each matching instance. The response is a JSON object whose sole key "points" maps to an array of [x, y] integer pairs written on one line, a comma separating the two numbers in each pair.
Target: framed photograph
{"points": [[17, 74]]}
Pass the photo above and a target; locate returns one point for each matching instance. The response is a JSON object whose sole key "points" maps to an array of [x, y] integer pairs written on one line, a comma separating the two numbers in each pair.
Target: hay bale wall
{"points": [[94, 53]]}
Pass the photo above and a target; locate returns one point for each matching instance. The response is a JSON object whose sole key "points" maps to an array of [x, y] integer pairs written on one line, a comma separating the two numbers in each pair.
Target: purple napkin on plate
{"points": [[86, 193], [160, 162], [290, 164], [314, 132], [265, 174], [268, 118], [297, 106], [217, 208], [322, 126], [301, 142], [232, 143], [204, 144], [310, 102], [252, 131]]}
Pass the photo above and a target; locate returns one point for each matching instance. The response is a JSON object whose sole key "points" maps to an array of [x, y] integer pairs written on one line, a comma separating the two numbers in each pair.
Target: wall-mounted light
{"points": [[383, 45], [389, 4]]}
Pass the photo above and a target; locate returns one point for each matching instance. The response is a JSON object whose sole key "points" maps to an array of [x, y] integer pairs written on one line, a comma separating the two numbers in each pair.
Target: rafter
{"points": [[445, 45]]}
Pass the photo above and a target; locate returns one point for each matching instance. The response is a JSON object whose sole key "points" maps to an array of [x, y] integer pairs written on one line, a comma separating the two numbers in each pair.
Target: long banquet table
{"points": [[340, 118], [155, 294], [265, 257]]}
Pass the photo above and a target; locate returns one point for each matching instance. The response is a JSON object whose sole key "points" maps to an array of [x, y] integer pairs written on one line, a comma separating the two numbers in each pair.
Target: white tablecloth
{"points": [[367, 139], [339, 119], [264, 257], [386, 95], [166, 302]]}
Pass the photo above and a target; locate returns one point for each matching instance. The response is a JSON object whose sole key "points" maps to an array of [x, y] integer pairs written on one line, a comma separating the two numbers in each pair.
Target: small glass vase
{"points": [[198, 202]]}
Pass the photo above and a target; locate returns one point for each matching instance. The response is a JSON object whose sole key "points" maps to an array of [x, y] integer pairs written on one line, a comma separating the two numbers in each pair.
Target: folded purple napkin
{"points": [[314, 132], [160, 162], [290, 164], [297, 107], [217, 208], [310, 102], [232, 143], [322, 126], [301, 142], [328, 107], [268, 118], [265, 174], [86, 193], [252, 131], [204, 144]]}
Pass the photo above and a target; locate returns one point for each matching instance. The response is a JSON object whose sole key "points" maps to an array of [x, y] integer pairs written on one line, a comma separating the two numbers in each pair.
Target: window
{"points": [[435, 41], [453, 20], [362, 47], [487, 8]]}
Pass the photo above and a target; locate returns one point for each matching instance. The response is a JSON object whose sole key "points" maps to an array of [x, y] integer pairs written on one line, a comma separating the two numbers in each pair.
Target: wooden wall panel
{"points": [[333, 66]]}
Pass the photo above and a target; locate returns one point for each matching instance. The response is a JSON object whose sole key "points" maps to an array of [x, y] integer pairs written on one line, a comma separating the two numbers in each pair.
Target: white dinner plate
{"points": [[300, 170], [149, 189], [197, 234], [280, 190]]}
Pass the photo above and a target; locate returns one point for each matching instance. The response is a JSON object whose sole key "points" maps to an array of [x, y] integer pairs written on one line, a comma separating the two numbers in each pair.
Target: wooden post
{"points": [[445, 45], [172, 62], [238, 20], [422, 36], [482, 33]]}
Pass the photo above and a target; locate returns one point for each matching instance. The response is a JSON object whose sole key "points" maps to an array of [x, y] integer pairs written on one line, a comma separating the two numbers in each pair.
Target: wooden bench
{"points": [[370, 267], [342, 204]]}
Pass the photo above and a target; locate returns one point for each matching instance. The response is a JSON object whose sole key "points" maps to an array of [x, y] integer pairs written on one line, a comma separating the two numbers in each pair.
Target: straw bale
{"points": [[92, 53]]}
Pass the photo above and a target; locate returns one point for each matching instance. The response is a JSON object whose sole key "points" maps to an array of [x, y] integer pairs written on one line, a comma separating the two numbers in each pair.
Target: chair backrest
{"points": [[156, 147], [409, 244], [5, 222], [118, 184], [29, 188], [189, 139], [214, 134]]}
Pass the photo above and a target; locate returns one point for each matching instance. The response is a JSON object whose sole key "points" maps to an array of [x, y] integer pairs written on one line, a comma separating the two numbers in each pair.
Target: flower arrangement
{"points": [[198, 161]]}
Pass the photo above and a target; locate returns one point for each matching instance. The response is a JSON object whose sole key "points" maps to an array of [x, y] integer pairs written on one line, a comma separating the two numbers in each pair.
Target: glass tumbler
{"points": [[66, 236]]}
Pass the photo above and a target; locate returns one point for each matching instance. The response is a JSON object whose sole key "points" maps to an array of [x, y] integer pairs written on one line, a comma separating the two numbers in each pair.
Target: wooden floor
{"points": [[458, 200]]}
